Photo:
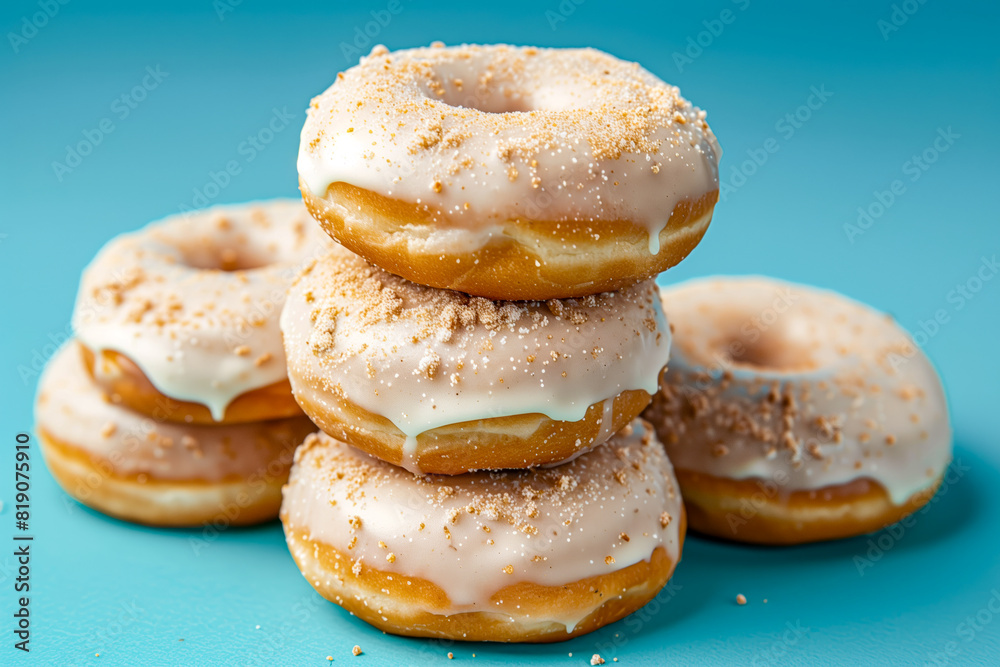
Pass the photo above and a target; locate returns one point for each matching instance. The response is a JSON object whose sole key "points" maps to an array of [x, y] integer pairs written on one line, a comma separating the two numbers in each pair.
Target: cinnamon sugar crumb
{"points": [[741, 599], [567, 483], [356, 650], [429, 364]]}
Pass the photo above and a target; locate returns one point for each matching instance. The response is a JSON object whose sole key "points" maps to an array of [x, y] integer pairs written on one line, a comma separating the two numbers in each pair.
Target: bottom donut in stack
{"points": [[137, 468], [535, 555]]}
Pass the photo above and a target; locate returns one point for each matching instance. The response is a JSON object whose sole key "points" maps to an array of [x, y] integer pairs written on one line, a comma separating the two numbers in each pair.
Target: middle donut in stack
{"points": [[437, 381], [530, 195]]}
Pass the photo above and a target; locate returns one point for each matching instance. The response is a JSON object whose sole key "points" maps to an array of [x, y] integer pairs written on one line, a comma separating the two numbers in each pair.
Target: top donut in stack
{"points": [[509, 172], [508, 208]]}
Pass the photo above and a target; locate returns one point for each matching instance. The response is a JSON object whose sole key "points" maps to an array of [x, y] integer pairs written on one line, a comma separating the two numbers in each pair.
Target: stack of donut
{"points": [[478, 352], [172, 407]]}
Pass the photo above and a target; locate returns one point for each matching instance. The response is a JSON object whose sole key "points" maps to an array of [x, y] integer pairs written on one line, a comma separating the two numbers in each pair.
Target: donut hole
{"points": [[463, 85], [223, 256], [499, 100], [781, 349]]}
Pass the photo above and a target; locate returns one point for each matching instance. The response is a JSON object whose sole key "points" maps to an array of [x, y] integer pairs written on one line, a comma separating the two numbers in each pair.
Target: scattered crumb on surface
{"points": [[741, 599]]}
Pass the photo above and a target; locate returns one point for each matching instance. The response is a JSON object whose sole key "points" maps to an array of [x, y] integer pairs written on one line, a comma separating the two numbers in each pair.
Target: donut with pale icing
{"points": [[441, 382], [794, 414], [180, 319], [151, 471], [509, 172], [523, 555]]}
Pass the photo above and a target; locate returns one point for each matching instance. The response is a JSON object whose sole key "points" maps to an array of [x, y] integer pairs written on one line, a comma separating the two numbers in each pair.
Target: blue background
{"points": [[130, 594]]}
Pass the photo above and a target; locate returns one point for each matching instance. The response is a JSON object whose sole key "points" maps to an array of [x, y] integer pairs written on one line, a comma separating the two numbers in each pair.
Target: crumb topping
{"points": [[363, 334], [471, 114]]}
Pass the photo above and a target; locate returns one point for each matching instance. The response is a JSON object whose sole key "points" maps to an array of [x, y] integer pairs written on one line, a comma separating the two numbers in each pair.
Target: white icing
{"points": [[857, 381], [71, 409], [478, 135], [198, 333], [536, 362], [581, 511]]}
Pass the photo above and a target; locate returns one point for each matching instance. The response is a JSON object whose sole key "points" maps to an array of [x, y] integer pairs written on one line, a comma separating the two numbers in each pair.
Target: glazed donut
{"points": [[516, 556], [440, 382], [134, 468], [180, 320], [509, 172], [794, 414]]}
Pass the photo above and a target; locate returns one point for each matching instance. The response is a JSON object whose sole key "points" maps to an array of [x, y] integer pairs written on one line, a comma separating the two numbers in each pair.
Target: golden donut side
{"points": [[753, 510], [415, 607], [534, 260], [233, 501], [497, 443], [121, 377]]}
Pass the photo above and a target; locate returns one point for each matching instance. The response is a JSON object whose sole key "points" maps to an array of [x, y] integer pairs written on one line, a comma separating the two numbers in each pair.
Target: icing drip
{"points": [[71, 409]]}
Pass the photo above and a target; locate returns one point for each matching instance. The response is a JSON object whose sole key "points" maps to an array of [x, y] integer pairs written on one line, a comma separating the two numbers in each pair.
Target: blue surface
{"points": [[131, 594]]}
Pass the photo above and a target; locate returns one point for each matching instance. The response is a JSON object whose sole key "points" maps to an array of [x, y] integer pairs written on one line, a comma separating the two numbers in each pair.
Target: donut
{"points": [[536, 555], [180, 320], [139, 469], [437, 381], [509, 172], [794, 414]]}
